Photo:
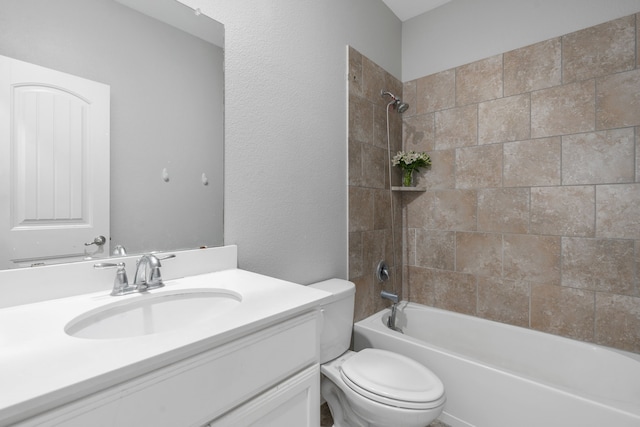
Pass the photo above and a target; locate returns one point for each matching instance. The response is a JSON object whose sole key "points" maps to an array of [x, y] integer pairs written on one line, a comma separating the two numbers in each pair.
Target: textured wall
{"points": [[286, 127], [532, 214]]}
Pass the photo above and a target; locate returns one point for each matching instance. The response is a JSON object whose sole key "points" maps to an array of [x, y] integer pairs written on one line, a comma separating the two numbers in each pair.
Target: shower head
{"points": [[397, 103], [401, 106]]}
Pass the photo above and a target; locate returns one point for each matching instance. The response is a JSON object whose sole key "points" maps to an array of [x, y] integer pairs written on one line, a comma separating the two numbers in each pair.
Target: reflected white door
{"points": [[54, 164]]}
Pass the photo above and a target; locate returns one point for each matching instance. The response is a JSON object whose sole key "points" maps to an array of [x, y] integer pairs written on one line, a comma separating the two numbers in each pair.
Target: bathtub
{"points": [[497, 375]]}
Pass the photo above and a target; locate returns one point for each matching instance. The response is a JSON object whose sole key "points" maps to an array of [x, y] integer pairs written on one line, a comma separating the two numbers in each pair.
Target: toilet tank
{"points": [[337, 317]]}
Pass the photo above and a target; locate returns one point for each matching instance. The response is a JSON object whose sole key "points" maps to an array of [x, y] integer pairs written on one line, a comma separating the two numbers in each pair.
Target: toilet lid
{"points": [[392, 379]]}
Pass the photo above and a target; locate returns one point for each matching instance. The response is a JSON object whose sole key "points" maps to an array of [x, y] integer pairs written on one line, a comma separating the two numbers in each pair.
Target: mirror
{"points": [[164, 64]]}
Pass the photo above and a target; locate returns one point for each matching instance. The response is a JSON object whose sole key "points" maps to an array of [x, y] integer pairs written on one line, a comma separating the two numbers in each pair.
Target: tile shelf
{"points": [[397, 188]]}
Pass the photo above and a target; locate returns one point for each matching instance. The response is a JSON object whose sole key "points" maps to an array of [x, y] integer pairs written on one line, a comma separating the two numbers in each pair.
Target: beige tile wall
{"points": [[532, 210], [370, 233]]}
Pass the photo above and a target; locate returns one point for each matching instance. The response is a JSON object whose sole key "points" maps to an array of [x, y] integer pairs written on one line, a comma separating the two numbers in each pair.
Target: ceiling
{"points": [[407, 9]]}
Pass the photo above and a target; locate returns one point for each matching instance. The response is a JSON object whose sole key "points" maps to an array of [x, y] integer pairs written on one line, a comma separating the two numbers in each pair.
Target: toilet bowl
{"points": [[372, 387]]}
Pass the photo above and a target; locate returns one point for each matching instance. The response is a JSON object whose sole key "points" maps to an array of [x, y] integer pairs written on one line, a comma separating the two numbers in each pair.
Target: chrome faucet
{"points": [[147, 275], [148, 272], [391, 321]]}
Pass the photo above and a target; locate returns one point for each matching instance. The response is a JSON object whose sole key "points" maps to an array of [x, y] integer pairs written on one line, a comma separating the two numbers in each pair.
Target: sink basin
{"points": [[153, 313]]}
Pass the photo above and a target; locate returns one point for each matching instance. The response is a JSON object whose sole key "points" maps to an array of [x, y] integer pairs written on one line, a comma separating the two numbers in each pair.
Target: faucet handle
{"points": [[121, 282], [153, 277], [162, 258]]}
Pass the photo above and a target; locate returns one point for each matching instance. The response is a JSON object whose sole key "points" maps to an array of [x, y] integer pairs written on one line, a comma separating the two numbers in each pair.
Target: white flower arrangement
{"points": [[410, 161]]}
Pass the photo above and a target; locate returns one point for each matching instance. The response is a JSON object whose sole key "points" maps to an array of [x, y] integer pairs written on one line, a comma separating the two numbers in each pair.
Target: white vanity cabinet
{"points": [[269, 377]]}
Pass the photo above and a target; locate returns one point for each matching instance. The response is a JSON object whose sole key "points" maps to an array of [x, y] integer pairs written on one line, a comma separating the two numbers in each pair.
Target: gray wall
{"points": [[286, 126], [166, 111], [463, 31]]}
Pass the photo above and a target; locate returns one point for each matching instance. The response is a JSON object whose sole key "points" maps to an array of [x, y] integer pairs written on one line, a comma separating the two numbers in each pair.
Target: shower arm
{"points": [[387, 93]]}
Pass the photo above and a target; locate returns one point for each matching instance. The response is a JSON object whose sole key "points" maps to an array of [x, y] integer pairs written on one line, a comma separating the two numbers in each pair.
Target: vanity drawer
{"points": [[201, 388]]}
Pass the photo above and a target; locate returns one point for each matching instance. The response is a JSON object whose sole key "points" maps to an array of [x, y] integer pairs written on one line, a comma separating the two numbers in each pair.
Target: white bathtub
{"points": [[497, 375]]}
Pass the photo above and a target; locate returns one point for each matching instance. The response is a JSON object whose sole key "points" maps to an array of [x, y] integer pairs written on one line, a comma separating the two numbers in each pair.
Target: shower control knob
{"points": [[382, 271]]}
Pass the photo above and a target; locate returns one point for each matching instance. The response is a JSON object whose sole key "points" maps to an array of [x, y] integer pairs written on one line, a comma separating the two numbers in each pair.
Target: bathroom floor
{"points": [[327, 421]]}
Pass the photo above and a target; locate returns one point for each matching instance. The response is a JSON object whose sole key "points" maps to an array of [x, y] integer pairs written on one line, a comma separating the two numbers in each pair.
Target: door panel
{"points": [[54, 158]]}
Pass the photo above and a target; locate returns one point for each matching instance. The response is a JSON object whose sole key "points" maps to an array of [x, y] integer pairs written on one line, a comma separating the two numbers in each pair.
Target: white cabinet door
{"points": [[54, 163], [295, 402]]}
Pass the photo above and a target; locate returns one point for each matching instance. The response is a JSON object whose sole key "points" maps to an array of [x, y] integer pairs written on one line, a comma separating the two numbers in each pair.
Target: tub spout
{"points": [[391, 321], [388, 295]]}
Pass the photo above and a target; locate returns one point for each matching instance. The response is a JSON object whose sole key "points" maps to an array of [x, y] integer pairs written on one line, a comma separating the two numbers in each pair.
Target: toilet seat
{"points": [[392, 379]]}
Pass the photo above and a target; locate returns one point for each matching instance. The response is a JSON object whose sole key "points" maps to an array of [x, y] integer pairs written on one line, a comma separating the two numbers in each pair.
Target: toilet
{"points": [[372, 387]]}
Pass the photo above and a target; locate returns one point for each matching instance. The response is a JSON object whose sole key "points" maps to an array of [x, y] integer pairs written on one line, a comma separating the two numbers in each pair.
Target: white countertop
{"points": [[41, 367]]}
